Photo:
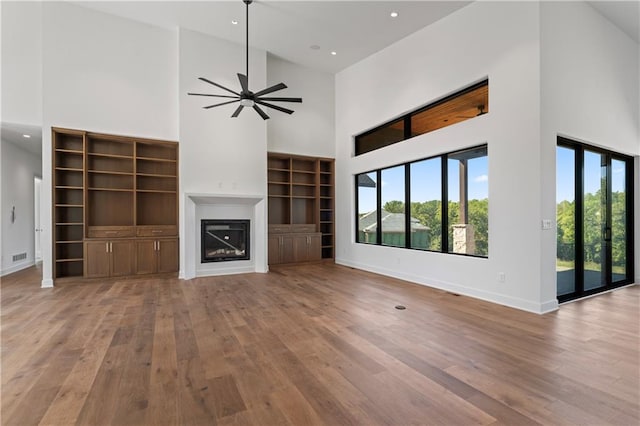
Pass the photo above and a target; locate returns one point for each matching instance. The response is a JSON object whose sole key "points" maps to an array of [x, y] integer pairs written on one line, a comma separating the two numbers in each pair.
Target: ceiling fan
{"points": [[246, 97]]}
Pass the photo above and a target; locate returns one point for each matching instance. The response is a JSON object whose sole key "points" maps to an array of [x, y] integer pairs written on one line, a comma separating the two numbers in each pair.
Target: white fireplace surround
{"points": [[223, 206]]}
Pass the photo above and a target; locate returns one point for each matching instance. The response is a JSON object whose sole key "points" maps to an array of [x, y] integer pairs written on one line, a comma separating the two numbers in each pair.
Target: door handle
{"points": [[607, 234]]}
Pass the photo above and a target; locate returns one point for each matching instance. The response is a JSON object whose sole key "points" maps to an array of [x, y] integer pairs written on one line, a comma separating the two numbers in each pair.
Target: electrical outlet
{"points": [[502, 277]]}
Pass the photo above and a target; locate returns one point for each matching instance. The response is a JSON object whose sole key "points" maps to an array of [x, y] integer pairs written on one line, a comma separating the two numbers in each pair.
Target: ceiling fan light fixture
{"points": [[246, 97]]}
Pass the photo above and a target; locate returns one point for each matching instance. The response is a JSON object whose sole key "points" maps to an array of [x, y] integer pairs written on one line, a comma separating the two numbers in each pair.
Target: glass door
{"points": [[594, 219]]}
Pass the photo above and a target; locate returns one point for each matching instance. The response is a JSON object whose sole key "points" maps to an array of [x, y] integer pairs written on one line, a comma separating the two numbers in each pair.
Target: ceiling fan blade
{"points": [[237, 111], [276, 107], [244, 82], [223, 103], [271, 89], [299, 100], [214, 96], [218, 85], [261, 112]]}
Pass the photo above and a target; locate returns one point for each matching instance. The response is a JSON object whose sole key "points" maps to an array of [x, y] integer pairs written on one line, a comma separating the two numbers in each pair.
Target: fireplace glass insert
{"points": [[224, 240]]}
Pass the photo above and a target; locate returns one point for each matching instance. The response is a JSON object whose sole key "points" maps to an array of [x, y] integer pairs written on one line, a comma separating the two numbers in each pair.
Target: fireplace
{"points": [[224, 240]]}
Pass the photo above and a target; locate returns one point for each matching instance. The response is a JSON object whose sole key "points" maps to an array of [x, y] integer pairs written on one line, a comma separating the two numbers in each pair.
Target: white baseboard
{"points": [[18, 267], [47, 283], [512, 302]]}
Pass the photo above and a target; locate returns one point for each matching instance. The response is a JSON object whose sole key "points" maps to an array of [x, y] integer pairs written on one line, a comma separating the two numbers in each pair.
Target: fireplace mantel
{"points": [[222, 206]]}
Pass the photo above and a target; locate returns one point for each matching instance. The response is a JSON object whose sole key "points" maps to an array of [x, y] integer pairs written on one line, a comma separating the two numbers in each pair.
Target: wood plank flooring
{"points": [[309, 345]]}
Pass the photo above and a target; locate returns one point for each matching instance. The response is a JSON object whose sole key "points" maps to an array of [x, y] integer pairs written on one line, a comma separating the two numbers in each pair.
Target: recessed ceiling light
{"points": [[26, 136], [394, 14], [234, 22], [334, 53], [314, 47]]}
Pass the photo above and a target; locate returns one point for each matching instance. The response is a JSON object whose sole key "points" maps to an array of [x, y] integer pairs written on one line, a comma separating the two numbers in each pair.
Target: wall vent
{"points": [[20, 256]]}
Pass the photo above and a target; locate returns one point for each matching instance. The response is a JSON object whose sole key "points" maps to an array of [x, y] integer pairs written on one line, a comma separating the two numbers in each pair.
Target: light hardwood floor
{"points": [[312, 344]]}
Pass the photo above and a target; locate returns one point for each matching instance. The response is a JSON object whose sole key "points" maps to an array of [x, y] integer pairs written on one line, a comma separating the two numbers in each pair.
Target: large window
{"points": [[436, 204], [465, 104]]}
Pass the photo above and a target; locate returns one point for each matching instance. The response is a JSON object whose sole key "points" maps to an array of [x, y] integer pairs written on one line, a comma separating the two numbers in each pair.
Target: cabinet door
{"points": [[96, 259], [315, 247], [167, 255], [274, 249], [287, 249], [123, 259], [145, 256], [300, 248]]}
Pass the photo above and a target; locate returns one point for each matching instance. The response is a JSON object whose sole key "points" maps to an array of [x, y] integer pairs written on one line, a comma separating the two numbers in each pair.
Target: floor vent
{"points": [[20, 256]]}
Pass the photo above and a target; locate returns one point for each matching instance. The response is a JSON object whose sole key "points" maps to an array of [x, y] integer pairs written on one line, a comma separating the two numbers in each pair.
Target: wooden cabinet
{"points": [[108, 187], [109, 258], [301, 192], [68, 203], [156, 256], [307, 247], [289, 244]]}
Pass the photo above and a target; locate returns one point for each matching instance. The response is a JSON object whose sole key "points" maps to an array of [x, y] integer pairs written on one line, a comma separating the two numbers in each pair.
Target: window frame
{"points": [[406, 118], [444, 203]]}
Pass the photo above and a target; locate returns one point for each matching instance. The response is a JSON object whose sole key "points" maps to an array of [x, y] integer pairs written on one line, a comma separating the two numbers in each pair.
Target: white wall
{"points": [[19, 167], [310, 129], [218, 154], [590, 79], [105, 74], [495, 39], [21, 62]]}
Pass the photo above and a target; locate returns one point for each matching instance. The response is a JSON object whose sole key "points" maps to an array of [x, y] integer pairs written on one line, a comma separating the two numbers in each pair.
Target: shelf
{"points": [[111, 189], [69, 151], [69, 205], [108, 172], [70, 242], [308, 172], [272, 169], [69, 169], [302, 184], [155, 175], [69, 260], [326, 221], [98, 154], [156, 191], [279, 183], [157, 160], [304, 197], [69, 223], [68, 187]]}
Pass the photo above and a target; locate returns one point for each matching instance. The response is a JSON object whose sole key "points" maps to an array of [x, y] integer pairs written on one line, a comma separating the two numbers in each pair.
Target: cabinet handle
{"points": [[106, 247], [156, 231], [158, 245], [111, 247]]}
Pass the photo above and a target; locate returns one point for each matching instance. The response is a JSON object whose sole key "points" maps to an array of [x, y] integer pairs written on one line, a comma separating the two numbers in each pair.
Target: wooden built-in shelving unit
{"points": [[301, 192], [112, 196]]}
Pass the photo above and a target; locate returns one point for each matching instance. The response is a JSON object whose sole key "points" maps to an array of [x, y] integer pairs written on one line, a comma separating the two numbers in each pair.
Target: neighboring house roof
{"points": [[366, 181], [393, 222]]}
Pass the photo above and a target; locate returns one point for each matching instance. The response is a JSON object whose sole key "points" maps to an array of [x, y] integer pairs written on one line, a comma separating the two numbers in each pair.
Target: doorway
{"points": [[37, 184], [594, 213]]}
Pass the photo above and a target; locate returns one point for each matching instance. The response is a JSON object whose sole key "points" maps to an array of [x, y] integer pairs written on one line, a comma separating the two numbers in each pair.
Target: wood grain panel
{"points": [[309, 344]]}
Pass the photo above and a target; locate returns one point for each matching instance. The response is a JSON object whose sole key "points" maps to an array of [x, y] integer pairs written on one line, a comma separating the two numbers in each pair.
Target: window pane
{"points": [[468, 180], [462, 107], [618, 221], [565, 221], [381, 137], [594, 219], [367, 202], [426, 204], [393, 217]]}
